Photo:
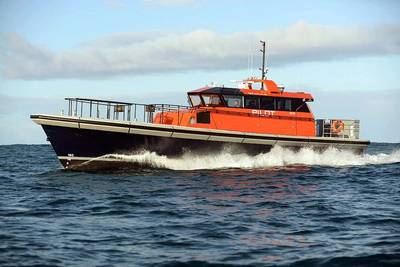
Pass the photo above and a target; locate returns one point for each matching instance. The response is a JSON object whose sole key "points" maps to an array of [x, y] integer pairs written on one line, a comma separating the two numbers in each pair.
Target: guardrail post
{"points": [[123, 113], [178, 116], [162, 113], [69, 107]]}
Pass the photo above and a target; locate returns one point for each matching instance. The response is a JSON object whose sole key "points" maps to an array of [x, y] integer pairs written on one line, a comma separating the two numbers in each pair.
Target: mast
{"points": [[263, 71]]}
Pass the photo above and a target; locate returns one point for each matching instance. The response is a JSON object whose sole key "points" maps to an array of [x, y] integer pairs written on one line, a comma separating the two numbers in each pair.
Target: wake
{"points": [[277, 157]]}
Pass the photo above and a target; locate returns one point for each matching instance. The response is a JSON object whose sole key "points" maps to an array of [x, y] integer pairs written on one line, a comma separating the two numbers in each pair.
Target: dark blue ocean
{"points": [[282, 208]]}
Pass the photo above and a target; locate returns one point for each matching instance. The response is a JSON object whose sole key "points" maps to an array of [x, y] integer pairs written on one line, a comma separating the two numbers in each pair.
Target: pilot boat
{"points": [[251, 118]]}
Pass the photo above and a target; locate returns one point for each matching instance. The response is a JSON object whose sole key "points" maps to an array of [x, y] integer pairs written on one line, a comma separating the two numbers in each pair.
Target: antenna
{"points": [[263, 70]]}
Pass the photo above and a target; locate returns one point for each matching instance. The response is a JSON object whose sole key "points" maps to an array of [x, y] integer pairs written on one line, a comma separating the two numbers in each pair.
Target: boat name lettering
{"points": [[263, 112]]}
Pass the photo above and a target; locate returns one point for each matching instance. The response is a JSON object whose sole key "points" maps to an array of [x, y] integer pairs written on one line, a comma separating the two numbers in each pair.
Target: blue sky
{"points": [[346, 53]]}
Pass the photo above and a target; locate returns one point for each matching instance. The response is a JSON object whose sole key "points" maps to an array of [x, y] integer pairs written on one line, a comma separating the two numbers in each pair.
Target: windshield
{"points": [[212, 100], [195, 100]]}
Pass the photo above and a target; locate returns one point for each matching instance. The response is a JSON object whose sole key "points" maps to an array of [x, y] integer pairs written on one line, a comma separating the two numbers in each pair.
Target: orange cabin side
{"points": [[245, 120], [213, 109]]}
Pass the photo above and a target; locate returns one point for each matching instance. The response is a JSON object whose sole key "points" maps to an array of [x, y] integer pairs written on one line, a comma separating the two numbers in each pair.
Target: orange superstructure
{"points": [[267, 110]]}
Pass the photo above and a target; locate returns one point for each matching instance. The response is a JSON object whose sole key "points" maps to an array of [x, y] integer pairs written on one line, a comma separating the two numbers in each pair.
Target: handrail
{"points": [[117, 110], [98, 100], [347, 129]]}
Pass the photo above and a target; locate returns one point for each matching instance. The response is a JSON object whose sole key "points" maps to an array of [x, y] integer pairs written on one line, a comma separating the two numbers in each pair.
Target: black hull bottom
{"points": [[84, 149]]}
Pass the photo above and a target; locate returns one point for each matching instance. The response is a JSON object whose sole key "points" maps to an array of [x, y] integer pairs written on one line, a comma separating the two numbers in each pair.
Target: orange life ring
{"points": [[337, 126]]}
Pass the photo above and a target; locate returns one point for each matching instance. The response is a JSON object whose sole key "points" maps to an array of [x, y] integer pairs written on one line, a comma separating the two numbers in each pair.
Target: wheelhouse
{"points": [[248, 98]]}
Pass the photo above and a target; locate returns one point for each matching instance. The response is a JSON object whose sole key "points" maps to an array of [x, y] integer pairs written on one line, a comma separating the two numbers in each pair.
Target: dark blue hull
{"points": [[75, 146]]}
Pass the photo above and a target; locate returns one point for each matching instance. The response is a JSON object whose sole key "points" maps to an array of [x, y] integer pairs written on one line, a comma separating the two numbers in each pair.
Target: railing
{"points": [[337, 128], [122, 111]]}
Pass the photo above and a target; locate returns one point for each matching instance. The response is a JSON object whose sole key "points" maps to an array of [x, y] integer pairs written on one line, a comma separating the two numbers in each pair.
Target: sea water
{"points": [[282, 208]]}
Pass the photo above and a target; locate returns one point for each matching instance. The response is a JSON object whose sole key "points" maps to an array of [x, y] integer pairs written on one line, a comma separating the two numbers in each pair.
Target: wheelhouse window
{"points": [[299, 105], [212, 100], [233, 101], [251, 102], [267, 103], [291, 104], [195, 100], [283, 104]]}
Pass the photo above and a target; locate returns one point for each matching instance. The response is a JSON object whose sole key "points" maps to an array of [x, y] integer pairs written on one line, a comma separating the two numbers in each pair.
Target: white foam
{"points": [[277, 157]]}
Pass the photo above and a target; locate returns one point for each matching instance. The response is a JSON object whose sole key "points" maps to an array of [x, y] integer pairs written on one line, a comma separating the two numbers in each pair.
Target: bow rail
{"points": [[117, 110]]}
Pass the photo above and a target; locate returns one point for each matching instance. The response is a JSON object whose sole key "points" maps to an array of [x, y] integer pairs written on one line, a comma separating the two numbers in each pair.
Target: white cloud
{"points": [[144, 53]]}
